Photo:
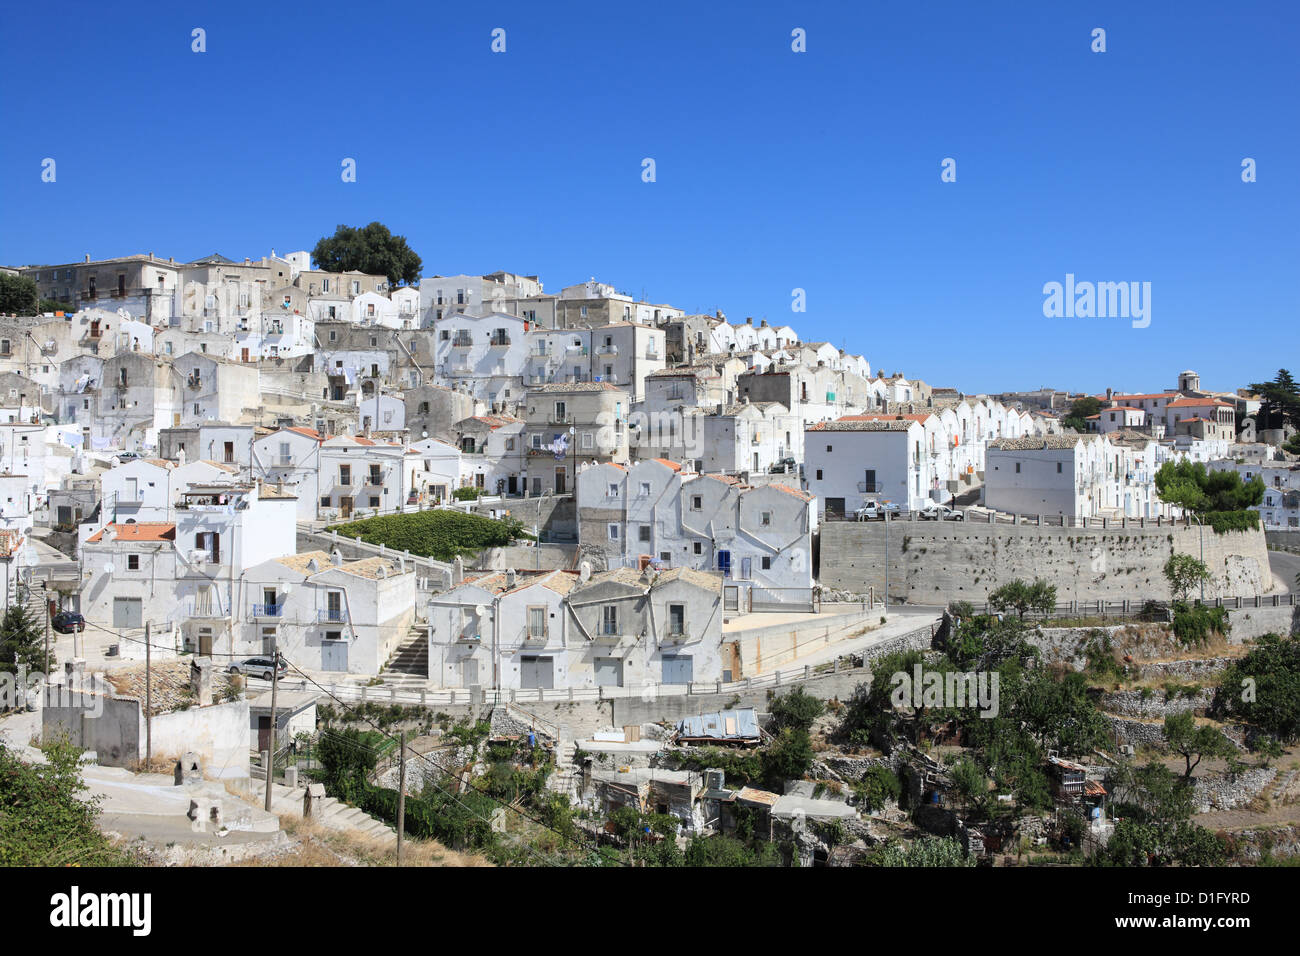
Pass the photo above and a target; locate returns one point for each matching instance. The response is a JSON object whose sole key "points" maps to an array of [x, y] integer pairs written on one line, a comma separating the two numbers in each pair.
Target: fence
{"points": [[1034, 520], [1135, 608]]}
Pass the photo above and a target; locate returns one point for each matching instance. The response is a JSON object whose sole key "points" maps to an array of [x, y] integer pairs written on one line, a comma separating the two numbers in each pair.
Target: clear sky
{"points": [[775, 170]]}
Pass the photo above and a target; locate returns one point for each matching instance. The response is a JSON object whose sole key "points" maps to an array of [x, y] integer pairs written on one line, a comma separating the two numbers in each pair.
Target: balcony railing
{"points": [[268, 610], [607, 350], [462, 342], [332, 615], [499, 341], [870, 487]]}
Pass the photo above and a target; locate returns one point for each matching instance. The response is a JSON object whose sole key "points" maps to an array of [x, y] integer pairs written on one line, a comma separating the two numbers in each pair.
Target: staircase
{"points": [[411, 658], [328, 812]]}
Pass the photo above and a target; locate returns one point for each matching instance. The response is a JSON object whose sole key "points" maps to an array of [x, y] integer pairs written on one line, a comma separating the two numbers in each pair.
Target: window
{"points": [[697, 502], [645, 489], [537, 622], [613, 532], [133, 562], [644, 532], [324, 501], [819, 474], [560, 410], [587, 440], [828, 449], [609, 619], [1058, 467], [537, 441], [766, 518], [766, 563], [699, 548], [374, 501], [613, 491], [677, 619], [345, 475], [1017, 468]]}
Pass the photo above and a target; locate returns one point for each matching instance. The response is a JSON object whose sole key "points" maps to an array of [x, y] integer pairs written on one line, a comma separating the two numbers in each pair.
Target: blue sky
{"points": [[775, 170]]}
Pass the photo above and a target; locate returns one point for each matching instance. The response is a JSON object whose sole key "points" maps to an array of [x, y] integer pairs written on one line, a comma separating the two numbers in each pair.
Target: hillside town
{"points": [[594, 578]]}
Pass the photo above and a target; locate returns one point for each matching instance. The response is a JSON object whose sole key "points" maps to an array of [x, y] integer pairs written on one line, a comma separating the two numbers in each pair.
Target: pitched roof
{"points": [[139, 531]]}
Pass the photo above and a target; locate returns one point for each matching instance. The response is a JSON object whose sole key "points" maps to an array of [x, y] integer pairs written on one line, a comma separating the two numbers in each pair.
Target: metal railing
{"points": [[268, 610]]}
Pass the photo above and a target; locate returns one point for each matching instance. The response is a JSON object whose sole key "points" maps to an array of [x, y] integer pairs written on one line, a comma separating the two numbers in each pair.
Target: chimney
{"points": [[87, 256], [511, 577], [763, 324], [749, 320], [1109, 393], [201, 679], [336, 558]]}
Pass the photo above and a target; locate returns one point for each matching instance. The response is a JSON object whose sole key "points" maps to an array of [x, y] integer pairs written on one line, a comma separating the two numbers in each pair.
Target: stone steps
{"points": [[329, 812]]}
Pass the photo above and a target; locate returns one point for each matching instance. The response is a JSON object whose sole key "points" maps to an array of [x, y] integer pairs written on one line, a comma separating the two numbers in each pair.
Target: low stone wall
{"points": [[1230, 791], [1205, 669], [1138, 733], [1283, 540], [1156, 705]]}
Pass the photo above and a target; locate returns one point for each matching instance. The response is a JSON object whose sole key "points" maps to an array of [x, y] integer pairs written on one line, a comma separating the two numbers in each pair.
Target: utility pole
{"points": [[148, 700], [401, 794], [275, 685], [886, 562]]}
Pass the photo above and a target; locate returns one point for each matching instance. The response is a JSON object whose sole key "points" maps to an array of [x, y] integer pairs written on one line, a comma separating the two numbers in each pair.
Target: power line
{"points": [[459, 776]]}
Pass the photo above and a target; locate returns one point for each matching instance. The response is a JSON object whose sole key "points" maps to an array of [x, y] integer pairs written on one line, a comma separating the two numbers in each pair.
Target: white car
{"points": [[942, 513]]}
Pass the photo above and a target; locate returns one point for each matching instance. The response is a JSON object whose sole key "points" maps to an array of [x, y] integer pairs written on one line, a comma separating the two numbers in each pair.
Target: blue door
{"points": [[334, 655], [724, 563]]}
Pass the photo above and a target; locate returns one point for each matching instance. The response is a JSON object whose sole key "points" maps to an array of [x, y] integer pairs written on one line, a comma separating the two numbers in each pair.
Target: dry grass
{"points": [[317, 845]]}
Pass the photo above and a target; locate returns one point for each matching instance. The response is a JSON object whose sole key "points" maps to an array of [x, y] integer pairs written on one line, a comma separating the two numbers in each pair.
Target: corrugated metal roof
{"points": [[741, 724]]}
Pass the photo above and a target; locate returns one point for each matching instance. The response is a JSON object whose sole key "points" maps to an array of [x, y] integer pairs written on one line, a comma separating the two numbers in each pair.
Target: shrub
{"points": [[1193, 624], [437, 533]]}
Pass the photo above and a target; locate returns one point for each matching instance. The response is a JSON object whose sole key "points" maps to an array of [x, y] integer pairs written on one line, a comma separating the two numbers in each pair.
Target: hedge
{"points": [[438, 533], [1224, 521]]}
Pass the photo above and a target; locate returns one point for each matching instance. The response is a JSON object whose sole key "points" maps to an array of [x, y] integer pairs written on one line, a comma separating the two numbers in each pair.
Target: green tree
{"points": [[879, 786], [796, 709], [1189, 485], [23, 638], [788, 757], [1080, 411], [1184, 572], [347, 760], [1190, 740], [1021, 597], [1060, 713], [47, 817], [1263, 688], [17, 295], [1282, 396], [969, 783], [371, 249]]}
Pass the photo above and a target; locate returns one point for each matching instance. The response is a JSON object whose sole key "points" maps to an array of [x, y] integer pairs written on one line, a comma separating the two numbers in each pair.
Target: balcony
{"points": [[607, 350], [499, 342], [535, 638], [870, 487], [462, 342], [268, 610], [332, 615]]}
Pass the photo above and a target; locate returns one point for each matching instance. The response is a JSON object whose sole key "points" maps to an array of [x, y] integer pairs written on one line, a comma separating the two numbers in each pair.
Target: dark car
{"points": [[68, 622], [258, 667]]}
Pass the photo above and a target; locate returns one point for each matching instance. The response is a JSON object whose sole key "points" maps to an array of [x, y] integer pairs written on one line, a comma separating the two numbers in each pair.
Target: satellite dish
{"points": [[480, 610], [424, 434], [286, 587]]}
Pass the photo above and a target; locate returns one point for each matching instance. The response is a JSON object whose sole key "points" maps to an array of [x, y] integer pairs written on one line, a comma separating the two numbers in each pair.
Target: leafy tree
{"points": [[1263, 688], [347, 760], [1080, 411], [372, 249], [22, 637], [1282, 396], [1022, 597], [1184, 572], [1189, 485], [796, 709], [788, 757], [438, 533], [726, 851], [17, 295], [969, 783], [1185, 737], [1059, 712], [878, 787], [46, 816]]}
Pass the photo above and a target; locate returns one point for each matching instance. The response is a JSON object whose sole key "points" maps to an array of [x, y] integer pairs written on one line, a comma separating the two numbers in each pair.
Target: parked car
{"points": [[875, 511], [259, 667], [68, 622], [125, 456], [786, 466], [942, 513]]}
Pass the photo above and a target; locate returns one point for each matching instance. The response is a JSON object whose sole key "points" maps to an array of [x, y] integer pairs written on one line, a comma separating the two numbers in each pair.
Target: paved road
{"points": [[1285, 567]]}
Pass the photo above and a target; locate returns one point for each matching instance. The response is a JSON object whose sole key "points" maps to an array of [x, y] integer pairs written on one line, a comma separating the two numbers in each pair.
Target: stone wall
{"points": [[933, 563], [1252, 622], [1283, 540], [1154, 706], [1230, 791]]}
